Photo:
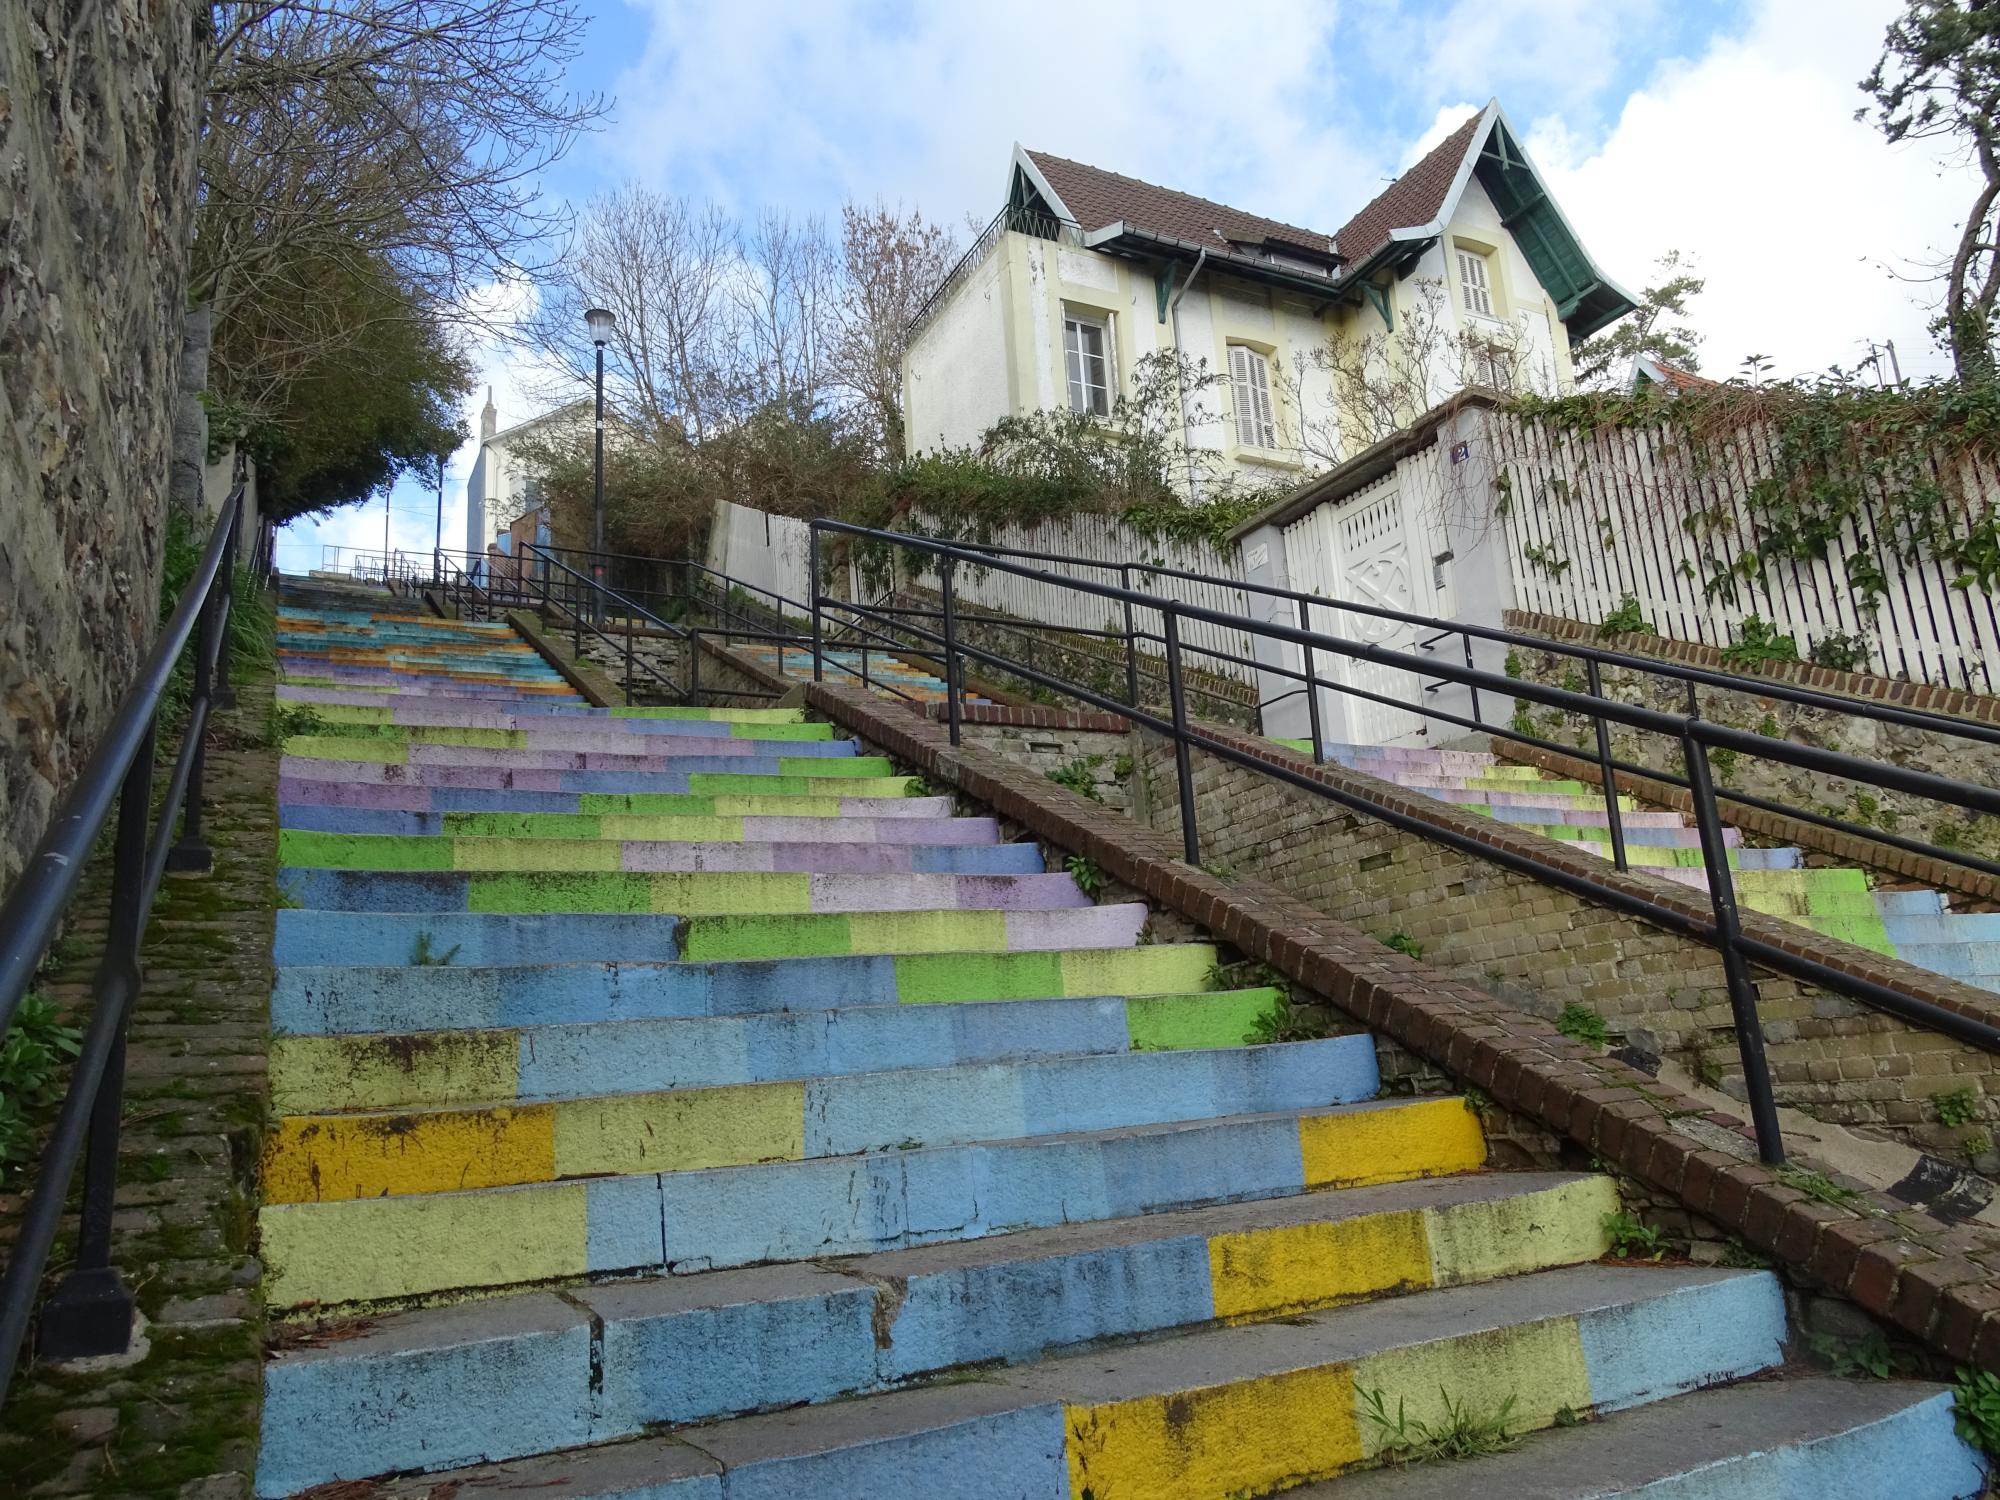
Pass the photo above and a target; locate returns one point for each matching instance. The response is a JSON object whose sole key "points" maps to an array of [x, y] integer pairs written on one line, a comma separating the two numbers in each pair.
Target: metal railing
{"points": [[1696, 739], [90, 1312], [1042, 226]]}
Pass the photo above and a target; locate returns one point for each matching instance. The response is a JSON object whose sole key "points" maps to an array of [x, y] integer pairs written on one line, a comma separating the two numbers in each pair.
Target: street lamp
{"points": [[602, 325]]}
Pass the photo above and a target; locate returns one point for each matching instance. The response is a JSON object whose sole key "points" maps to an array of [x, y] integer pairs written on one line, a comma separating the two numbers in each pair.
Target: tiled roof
{"points": [[1095, 198], [1412, 199]]}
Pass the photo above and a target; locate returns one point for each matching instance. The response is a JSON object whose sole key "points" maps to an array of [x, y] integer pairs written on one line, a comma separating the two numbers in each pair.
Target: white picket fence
{"points": [[767, 552], [1594, 518]]}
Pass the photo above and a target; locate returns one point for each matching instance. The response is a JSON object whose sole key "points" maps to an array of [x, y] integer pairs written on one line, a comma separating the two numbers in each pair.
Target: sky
{"points": [[1721, 128]]}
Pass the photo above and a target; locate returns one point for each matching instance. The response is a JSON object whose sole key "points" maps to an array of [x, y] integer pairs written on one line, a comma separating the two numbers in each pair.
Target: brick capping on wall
{"points": [[1690, 904], [1033, 717], [1933, 1280], [1928, 696]]}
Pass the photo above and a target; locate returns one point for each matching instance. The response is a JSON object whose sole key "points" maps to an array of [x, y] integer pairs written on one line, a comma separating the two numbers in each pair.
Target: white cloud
{"points": [[1750, 158]]}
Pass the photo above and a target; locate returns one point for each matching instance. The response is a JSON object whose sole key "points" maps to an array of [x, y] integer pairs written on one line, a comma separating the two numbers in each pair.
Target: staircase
{"points": [[678, 1104], [1917, 926]]}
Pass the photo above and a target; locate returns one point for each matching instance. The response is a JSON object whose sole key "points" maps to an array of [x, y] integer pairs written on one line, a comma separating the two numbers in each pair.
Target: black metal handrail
{"points": [[1695, 736], [90, 1312]]}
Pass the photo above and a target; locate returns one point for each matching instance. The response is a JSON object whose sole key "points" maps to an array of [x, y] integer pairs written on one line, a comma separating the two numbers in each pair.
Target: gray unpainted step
{"points": [[1809, 1438]]}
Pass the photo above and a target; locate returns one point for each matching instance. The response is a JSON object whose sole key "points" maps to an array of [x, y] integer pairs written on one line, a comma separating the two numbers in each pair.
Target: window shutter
{"points": [[1267, 427], [1242, 399], [1472, 276]]}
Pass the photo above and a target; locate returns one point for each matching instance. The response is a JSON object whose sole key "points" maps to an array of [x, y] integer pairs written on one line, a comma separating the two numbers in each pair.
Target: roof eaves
{"points": [[1025, 160]]}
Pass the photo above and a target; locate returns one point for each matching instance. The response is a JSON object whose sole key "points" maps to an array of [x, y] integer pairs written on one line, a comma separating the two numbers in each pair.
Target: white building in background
{"points": [[1086, 271], [501, 486]]}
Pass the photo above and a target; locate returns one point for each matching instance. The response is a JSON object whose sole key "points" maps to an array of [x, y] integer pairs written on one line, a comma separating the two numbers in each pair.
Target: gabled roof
{"points": [[1124, 215], [1094, 198], [1673, 379], [1417, 197]]}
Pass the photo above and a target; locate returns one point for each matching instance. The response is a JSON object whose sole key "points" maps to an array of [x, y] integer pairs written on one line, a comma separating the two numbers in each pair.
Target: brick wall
{"points": [[1541, 948]]}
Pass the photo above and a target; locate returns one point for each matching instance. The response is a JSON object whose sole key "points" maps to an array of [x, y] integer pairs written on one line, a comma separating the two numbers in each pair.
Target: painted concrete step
{"points": [[678, 893], [632, 753], [818, 848], [351, 1000], [534, 732], [1910, 903], [1235, 1412], [548, 718], [772, 777], [301, 799], [772, 818], [384, 1154], [479, 938], [375, 1250], [1804, 1438], [1590, 817], [1948, 927], [536, 1064], [773, 1337]]}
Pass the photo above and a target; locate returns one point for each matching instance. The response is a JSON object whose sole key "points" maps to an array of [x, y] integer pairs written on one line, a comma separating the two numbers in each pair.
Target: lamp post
{"points": [[437, 545], [602, 326]]}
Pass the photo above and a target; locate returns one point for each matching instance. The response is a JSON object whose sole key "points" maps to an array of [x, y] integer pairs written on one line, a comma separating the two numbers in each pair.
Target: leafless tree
{"points": [[788, 300], [892, 261], [387, 145], [1350, 392]]}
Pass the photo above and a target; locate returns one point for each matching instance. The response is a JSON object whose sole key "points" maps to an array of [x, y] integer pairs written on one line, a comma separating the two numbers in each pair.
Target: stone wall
{"points": [[1854, 802], [1537, 947], [98, 111]]}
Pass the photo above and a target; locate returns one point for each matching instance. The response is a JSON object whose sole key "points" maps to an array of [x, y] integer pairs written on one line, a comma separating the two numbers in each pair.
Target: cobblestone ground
{"points": [[181, 1421]]}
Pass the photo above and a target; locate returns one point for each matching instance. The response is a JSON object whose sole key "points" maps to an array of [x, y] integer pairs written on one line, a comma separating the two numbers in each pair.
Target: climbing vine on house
{"points": [[1815, 464]]}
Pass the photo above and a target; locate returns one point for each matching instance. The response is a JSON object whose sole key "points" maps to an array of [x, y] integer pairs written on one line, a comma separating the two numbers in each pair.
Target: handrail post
{"points": [[947, 577], [1131, 641], [812, 594], [90, 1313], [628, 656], [190, 854], [1312, 686], [1470, 666], [224, 693], [1735, 971], [1183, 756], [694, 665], [1607, 775]]}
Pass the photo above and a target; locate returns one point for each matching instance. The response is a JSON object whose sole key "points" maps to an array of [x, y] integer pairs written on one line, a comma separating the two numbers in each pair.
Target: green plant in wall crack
{"points": [[1958, 1106], [1462, 1432], [1977, 1416], [1632, 1240], [1580, 1023], [1850, 1359], [1403, 943], [1283, 1024], [1080, 776], [1089, 879]]}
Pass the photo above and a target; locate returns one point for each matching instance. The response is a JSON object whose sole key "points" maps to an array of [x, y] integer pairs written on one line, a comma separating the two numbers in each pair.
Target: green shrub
{"points": [[1402, 942], [1758, 641], [1080, 776], [1626, 619], [1089, 879], [1977, 1418], [31, 1083], [1463, 1433], [1840, 651]]}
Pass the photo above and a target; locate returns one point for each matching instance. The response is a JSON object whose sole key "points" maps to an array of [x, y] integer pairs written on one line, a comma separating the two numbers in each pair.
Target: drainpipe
{"points": [[1180, 392]]}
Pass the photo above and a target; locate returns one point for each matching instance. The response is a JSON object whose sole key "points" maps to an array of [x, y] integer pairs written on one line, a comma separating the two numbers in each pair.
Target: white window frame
{"points": [[1085, 396], [1493, 366], [1250, 397], [1475, 281]]}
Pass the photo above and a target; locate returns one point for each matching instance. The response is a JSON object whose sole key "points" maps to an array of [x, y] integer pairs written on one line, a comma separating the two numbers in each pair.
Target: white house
{"points": [[1464, 268], [501, 485]]}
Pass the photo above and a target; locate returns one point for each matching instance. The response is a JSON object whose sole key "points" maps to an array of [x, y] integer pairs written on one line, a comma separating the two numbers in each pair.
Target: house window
{"points": [[1087, 356], [1250, 385], [1493, 366], [1472, 277]]}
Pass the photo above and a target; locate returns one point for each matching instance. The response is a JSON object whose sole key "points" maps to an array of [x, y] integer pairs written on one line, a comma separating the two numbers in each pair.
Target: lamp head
{"points": [[602, 325]]}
